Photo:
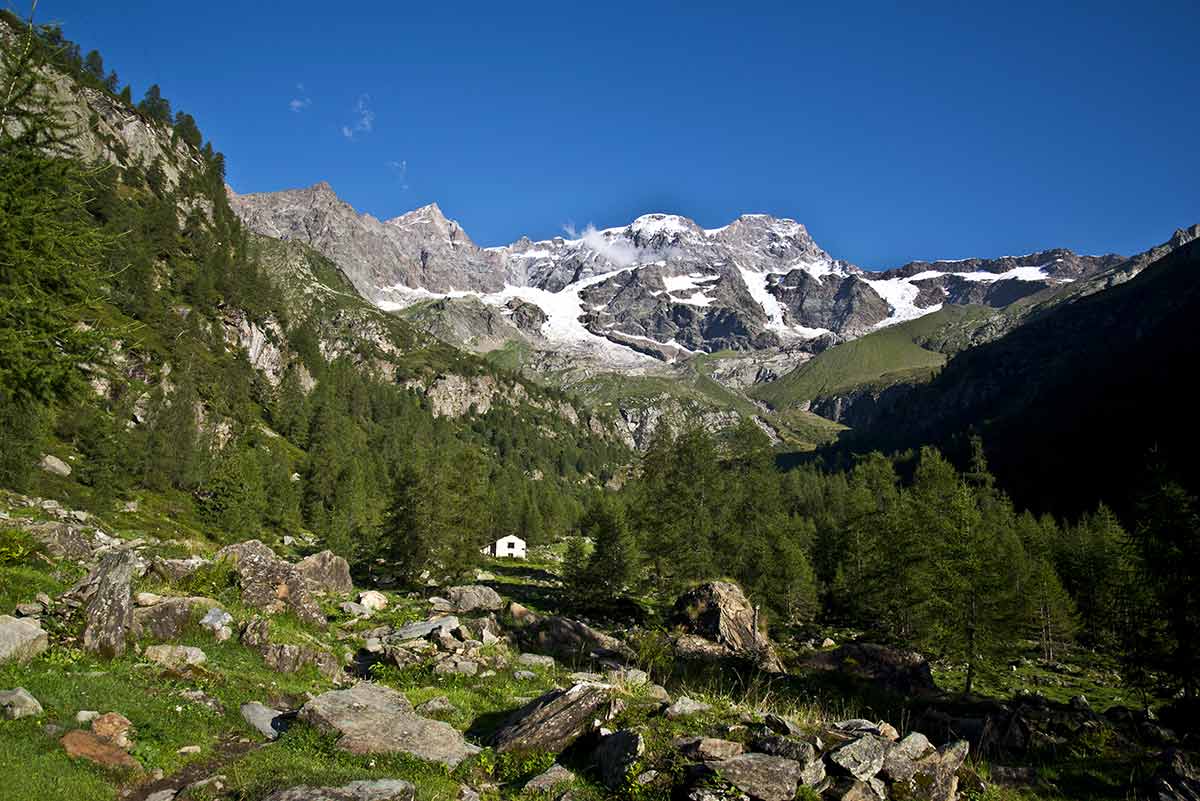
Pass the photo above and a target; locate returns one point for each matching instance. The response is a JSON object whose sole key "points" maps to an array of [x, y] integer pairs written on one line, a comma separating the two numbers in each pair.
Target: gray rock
{"points": [[474, 598], [169, 618], [536, 660], [18, 703], [355, 609], [21, 639], [270, 583], [615, 755], [108, 617], [861, 758], [52, 464], [175, 570], [326, 572], [373, 600], [373, 790], [812, 769], [524, 675], [216, 619], [708, 749], [569, 640], [719, 612], [684, 707], [763, 777], [555, 720], [436, 706], [263, 718], [554, 777], [372, 719], [415, 631], [900, 764], [175, 656]]}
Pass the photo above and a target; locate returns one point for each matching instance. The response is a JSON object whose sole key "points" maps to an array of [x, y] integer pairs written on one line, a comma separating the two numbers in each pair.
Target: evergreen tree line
{"points": [[942, 562]]}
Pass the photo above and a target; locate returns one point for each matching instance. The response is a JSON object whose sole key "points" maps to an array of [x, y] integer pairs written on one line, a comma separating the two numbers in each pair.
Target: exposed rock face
{"points": [[905, 672], [109, 613], [371, 719], [720, 613], [375, 790], [21, 639], [326, 572], [555, 720], [270, 583]]}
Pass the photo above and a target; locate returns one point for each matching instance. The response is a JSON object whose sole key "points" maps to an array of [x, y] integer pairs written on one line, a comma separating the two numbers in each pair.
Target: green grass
{"points": [[879, 359]]}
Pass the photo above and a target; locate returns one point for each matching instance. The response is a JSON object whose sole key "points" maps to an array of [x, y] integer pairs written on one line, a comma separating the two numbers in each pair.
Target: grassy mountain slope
{"points": [[879, 359]]}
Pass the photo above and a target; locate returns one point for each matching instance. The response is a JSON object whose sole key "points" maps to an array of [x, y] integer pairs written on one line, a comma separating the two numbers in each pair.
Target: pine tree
{"points": [[611, 565], [155, 106], [93, 63]]}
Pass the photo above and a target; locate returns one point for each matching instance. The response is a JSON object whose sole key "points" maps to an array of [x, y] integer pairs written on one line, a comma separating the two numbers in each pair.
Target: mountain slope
{"points": [[1092, 386]]}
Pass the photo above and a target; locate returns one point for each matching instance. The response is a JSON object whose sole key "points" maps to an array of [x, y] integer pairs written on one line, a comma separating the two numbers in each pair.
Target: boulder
{"points": [[719, 612], [270, 583], [436, 706], [615, 755], [861, 758], [372, 719], [218, 621], [556, 776], [175, 570], [326, 572], [62, 540], [175, 657], [373, 600], [80, 744], [893, 669], [763, 777], [536, 660], [55, 466], [570, 640], [170, 618], [935, 777], [21, 639], [414, 631], [474, 598], [900, 764], [707, 749], [108, 617], [812, 768], [553, 721], [684, 707], [847, 789], [374, 790], [267, 721], [18, 703]]}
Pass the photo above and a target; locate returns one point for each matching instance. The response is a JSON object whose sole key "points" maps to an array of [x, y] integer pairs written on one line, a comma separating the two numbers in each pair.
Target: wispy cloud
{"points": [[366, 118], [400, 168], [301, 101], [616, 248]]}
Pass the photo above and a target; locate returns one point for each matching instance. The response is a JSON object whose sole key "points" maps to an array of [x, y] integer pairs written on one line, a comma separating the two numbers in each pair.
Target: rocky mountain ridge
{"points": [[660, 288]]}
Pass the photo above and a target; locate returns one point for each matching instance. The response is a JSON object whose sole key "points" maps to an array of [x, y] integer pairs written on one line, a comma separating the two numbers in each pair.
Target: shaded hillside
{"points": [[1073, 405]]}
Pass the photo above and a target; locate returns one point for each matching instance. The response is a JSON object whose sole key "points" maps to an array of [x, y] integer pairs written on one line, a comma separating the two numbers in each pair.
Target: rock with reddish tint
{"points": [[80, 744]]}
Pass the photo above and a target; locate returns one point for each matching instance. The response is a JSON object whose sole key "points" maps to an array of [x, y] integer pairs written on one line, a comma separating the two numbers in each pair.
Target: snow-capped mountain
{"points": [[660, 287]]}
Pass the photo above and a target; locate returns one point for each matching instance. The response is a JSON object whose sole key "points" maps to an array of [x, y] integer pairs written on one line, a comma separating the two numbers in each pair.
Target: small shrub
{"points": [[16, 546]]}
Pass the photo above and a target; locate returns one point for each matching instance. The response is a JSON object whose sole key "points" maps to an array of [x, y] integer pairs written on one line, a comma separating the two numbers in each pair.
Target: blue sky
{"points": [[894, 134]]}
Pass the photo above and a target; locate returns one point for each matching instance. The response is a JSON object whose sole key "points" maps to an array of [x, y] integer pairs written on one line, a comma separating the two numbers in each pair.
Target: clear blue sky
{"points": [[964, 129]]}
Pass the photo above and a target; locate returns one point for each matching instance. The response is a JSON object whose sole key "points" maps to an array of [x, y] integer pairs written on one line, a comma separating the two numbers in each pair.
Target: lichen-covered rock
{"points": [[169, 618], [372, 719], [474, 598], [555, 776], [555, 720], [108, 617], [707, 749], [21, 639], [326, 572], [271, 583], [861, 758], [175, 657], [812, 768]]}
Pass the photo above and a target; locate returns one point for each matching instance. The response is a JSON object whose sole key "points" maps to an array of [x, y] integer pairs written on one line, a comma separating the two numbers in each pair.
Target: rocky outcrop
{"points": [[326, 572], [556, 719], [108, 616], [570, 640], [372, 719], [270, 583], [719, 613]]}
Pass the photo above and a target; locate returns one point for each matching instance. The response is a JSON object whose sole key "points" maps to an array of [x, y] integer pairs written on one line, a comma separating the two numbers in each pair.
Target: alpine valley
{"points": [[301, 505]]}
